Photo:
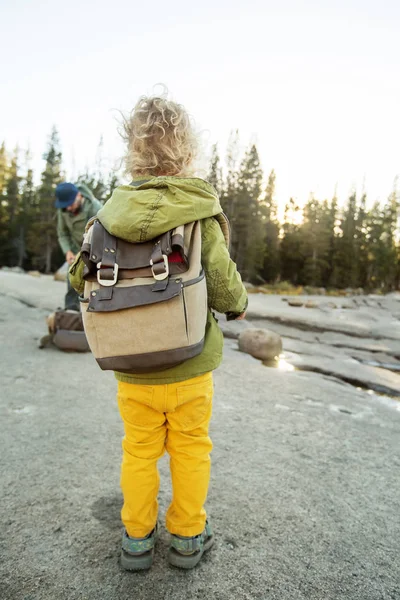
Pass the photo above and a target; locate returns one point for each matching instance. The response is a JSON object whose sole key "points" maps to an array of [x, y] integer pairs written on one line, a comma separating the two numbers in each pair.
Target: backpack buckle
{"points": [[160, 270], [107, 282]]}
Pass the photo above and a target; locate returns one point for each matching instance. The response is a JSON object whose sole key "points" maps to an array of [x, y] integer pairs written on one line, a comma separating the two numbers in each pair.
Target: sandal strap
{"points": [[191, 544], [138, 545], [207, 531]]}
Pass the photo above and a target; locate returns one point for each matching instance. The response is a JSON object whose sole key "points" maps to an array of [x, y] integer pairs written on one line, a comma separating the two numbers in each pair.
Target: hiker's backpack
{"points": [[66, 331], [144, 305]]}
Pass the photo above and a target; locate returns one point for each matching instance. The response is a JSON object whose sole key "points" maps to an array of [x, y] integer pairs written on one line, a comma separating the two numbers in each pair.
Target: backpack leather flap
{"points": [[120, 298], [127, 255], [133, 259]]}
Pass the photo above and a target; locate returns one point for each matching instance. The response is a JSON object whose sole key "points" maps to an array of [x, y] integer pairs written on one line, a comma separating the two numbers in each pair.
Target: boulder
{"points": [[311, 304], [295, 302], [260, 343]]}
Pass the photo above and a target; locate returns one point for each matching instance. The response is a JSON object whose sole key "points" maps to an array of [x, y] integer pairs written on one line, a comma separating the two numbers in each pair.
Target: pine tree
{"points": [[375, 240], [361, 247], [330, 219], [291, 260], [345, 273], [230, 187], [3, 168], [95, 180], [271, 266], [27, 207], [42, 240], [4, 216], [215, 172], [248, 243], [315, 233], [387, 263], [13, 208]]}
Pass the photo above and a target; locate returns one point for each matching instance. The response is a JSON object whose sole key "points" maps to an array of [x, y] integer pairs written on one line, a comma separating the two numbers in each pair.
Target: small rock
{"points": [[347, 306], [260, 343], [295, 302], [34, 273], [311, 304], [331, 305]]}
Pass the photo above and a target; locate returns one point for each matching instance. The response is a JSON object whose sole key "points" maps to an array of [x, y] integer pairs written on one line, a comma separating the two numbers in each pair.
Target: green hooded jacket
{"points": [[146, 209], [70, 228]]}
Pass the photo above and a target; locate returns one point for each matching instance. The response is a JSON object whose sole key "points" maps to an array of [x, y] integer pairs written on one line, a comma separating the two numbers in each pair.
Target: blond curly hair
{"points": [[160, 139]]}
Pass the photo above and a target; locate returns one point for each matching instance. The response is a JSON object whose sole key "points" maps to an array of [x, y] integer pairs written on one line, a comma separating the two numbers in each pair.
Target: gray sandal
{"points": [[137, 554], [186, 552]]}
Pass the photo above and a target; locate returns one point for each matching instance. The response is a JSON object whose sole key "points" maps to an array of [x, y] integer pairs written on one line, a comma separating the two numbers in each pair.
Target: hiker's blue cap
{"points": [[65, 195]]}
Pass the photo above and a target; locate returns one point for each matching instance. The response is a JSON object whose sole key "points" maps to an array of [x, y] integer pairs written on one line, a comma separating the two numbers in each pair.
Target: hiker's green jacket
{"points": [[146, 209], [70, 228]]}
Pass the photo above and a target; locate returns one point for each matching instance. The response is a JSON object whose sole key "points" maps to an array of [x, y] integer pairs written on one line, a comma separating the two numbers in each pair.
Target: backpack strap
{"points": [[225, 227], [107, 267], [159, 257]]}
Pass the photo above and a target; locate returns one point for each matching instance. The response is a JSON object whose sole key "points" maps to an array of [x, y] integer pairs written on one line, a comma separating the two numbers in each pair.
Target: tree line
{"points": [[322, 244]]}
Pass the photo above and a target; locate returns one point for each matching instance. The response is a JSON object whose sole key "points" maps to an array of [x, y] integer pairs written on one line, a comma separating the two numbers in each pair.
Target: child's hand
{"points": [[241, 317]]}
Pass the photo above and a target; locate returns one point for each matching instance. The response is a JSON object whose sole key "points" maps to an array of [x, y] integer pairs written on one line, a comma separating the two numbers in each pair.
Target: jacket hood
{"points": [[85, 191], [146, 209]]}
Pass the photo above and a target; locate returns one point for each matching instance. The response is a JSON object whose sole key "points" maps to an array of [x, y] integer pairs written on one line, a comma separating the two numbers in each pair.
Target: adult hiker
{"points": [[75, 206]]}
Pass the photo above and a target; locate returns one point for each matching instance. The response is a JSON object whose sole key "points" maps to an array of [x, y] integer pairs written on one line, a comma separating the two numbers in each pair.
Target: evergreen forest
{"points": [[326, 243]]}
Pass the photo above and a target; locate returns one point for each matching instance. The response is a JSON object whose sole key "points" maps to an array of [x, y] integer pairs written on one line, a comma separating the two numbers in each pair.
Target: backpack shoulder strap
{"points": [[225, 227], [90, 223]]}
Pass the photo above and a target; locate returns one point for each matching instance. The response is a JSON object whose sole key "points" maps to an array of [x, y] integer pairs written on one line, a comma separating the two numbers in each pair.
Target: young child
{"points": [[171, 409]]}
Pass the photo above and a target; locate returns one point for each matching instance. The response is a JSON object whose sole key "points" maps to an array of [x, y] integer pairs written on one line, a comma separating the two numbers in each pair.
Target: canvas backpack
{"points": [[144, 305]]}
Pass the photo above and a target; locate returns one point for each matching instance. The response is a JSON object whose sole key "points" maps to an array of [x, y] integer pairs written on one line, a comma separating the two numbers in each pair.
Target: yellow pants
{"points": [[173, 417]]}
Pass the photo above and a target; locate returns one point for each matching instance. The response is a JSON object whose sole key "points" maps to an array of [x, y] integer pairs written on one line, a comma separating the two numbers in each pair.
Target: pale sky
{"points": [[315, 83]]}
